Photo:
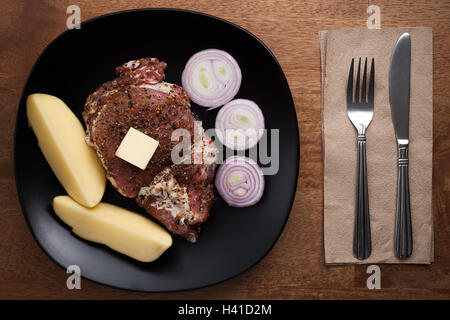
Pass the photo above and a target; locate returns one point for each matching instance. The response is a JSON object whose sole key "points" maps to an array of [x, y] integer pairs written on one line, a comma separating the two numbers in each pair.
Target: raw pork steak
{"points": [[178, 195]]}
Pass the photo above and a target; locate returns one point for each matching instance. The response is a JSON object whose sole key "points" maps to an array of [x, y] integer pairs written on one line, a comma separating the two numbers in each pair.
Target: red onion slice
{"points": [[240, 124], [211, 78], [240, 181]]}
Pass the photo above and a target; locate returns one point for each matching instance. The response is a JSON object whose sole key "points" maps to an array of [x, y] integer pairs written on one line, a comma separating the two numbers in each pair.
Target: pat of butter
{"points": [[137, 148]]}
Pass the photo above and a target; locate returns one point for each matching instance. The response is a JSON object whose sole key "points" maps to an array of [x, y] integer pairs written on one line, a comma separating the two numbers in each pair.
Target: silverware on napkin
{"points": [[399, 92], [360, 113]]}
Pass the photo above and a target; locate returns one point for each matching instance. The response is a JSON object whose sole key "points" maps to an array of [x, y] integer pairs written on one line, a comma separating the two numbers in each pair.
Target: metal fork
{"points": [[360, 113]]}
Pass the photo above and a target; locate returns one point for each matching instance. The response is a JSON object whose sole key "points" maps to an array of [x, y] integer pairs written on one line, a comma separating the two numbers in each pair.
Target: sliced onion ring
{"points": [[240, 181], [211, 78], [240, 124]]}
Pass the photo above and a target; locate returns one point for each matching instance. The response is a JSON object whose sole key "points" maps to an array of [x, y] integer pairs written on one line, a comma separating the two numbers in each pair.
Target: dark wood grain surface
{"points": [[295, 268]]}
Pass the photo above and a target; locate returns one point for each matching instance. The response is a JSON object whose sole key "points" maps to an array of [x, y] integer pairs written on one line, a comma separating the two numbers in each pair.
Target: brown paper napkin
{"points": [[338, 47]]}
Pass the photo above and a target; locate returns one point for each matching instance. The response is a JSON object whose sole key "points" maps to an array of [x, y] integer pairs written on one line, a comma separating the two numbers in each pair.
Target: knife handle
{"points": [[403, 227], [362, 246]]}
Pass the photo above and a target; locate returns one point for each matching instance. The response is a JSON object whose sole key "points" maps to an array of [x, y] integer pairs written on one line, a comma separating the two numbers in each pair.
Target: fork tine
{"points": [[364, 83], [372, 82], [350, 83], [357, 82]]}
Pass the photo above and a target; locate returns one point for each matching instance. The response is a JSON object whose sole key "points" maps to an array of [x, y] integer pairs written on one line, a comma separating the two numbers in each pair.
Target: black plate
{"points": [[75, 64]]}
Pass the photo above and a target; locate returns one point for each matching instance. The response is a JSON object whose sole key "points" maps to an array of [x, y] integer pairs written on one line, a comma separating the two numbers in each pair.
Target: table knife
{"points": [[399, 92]]}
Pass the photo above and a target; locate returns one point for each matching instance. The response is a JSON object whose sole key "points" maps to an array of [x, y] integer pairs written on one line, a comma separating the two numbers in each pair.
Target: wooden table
{"points": [[295, 268]]}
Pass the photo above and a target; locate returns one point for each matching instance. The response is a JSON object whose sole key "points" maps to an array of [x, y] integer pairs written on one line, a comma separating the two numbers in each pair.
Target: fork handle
{"points": [[403, 227], [362, 245]]}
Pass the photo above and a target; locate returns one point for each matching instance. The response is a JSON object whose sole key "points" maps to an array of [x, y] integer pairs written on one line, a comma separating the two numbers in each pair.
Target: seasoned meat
{"points": [[181, 195], [139, 98]]}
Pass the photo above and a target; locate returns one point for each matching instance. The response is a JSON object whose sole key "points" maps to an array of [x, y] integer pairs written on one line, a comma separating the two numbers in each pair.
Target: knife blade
{"points": [[399, 96], [399, 80]]}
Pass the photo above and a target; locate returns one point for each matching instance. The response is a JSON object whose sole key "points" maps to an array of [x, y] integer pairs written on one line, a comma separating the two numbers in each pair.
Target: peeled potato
{"points": [[61, 138], [122, 230]]}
